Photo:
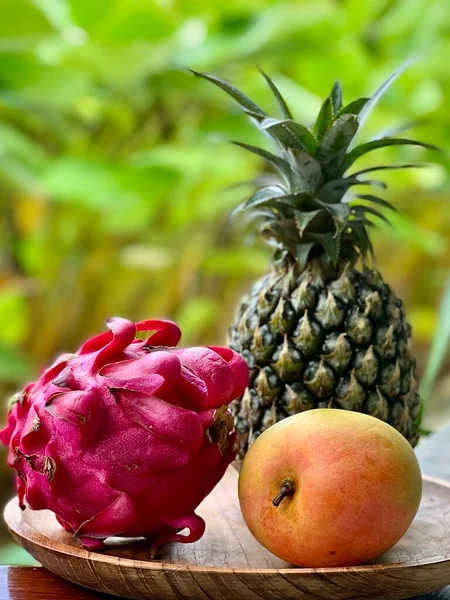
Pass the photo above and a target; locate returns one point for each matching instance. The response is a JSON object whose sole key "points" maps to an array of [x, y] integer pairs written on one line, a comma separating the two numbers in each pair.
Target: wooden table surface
{"points": [[35, 583]]}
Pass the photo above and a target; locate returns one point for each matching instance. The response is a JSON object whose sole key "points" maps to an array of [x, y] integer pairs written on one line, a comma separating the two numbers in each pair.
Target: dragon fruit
{"points": [[127, 436]]}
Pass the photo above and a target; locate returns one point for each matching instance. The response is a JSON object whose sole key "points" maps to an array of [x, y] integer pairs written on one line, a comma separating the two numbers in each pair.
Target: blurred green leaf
{"points": [[439, 348], [134, 21], [127, 197], [197, 315], [87, 13], [15, 367], [14, 316], [19, 145], [57, 12], [20, 21], [414, 235], [236, 261], [147, 257], [378, 94]]}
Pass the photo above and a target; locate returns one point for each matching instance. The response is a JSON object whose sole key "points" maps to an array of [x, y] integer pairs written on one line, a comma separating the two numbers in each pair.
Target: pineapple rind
{"points": [[345, 344]]}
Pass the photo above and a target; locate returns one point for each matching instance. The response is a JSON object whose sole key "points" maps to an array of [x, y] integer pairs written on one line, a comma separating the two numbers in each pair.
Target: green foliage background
{"points": [[115, 175]]}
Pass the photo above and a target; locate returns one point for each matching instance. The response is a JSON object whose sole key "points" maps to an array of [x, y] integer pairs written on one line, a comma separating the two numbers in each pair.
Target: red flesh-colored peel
{"points": [[126, 437], [194, 523]]}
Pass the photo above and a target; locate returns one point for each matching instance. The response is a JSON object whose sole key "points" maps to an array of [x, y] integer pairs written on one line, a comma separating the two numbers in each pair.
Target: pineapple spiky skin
{"points": [[312, 341]]}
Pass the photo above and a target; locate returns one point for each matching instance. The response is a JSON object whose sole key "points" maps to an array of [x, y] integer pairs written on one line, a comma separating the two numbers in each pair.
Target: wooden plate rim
{"points": [[29, 534]]}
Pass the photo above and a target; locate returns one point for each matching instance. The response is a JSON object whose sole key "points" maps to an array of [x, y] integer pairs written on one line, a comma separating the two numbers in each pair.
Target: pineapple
{"points": [[321, 329]]}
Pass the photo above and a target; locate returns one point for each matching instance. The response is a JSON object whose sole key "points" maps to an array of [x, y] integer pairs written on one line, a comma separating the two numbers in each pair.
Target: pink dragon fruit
{"points": [[127, 436]]}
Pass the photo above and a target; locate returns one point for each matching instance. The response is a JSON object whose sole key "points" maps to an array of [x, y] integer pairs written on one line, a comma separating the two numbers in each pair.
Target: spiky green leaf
{"points": [[373, 182], [279, 98], [340, 214], [382, 143], [306, 172], [279, 209], [265, 213], [387, 167], [236, 94], [336, 97], [366, 222], [303, 219], [283, 231], [272, 195], [324, 119], [302, 254], [334, 190], [358, 228], [277, 161], [360, 210], [380, 91], [353, 108], [333, 147], [330, 244], [376, 200], [291, 134]]}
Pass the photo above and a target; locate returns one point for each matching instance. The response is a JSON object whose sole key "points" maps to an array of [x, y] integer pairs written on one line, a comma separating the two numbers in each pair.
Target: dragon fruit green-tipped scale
{"points": [[127, 436]]}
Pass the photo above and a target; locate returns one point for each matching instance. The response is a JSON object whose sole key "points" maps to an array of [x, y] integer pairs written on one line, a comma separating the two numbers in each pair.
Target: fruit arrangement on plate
{"points": [[316, 398]]}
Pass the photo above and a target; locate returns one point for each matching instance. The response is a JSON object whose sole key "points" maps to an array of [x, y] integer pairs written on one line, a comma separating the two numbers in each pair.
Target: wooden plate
{"points": [[228, 563]]}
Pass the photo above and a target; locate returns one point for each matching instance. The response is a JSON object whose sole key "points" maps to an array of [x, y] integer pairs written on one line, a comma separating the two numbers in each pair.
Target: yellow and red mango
{"points": [[350, 487]]}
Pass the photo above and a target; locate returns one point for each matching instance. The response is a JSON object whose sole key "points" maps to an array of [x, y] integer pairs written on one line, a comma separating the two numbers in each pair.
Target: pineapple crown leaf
{"points": [[362, 210], [330, 244], [376, 200], [302, 254], [372, 101], [339, 213], [333, 149], [358, 228], [290, 134], [278, 97], [250, 107], [303, 219], [389, 167], [362, 149], [307, 211], [268, 197], [336, 97], [353, 108], [279, 162], [324, 119], [333, 191]]}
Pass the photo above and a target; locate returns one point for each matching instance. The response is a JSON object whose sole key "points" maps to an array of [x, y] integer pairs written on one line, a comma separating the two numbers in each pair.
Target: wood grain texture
{"points": [[35, 583], [229, 564]]}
